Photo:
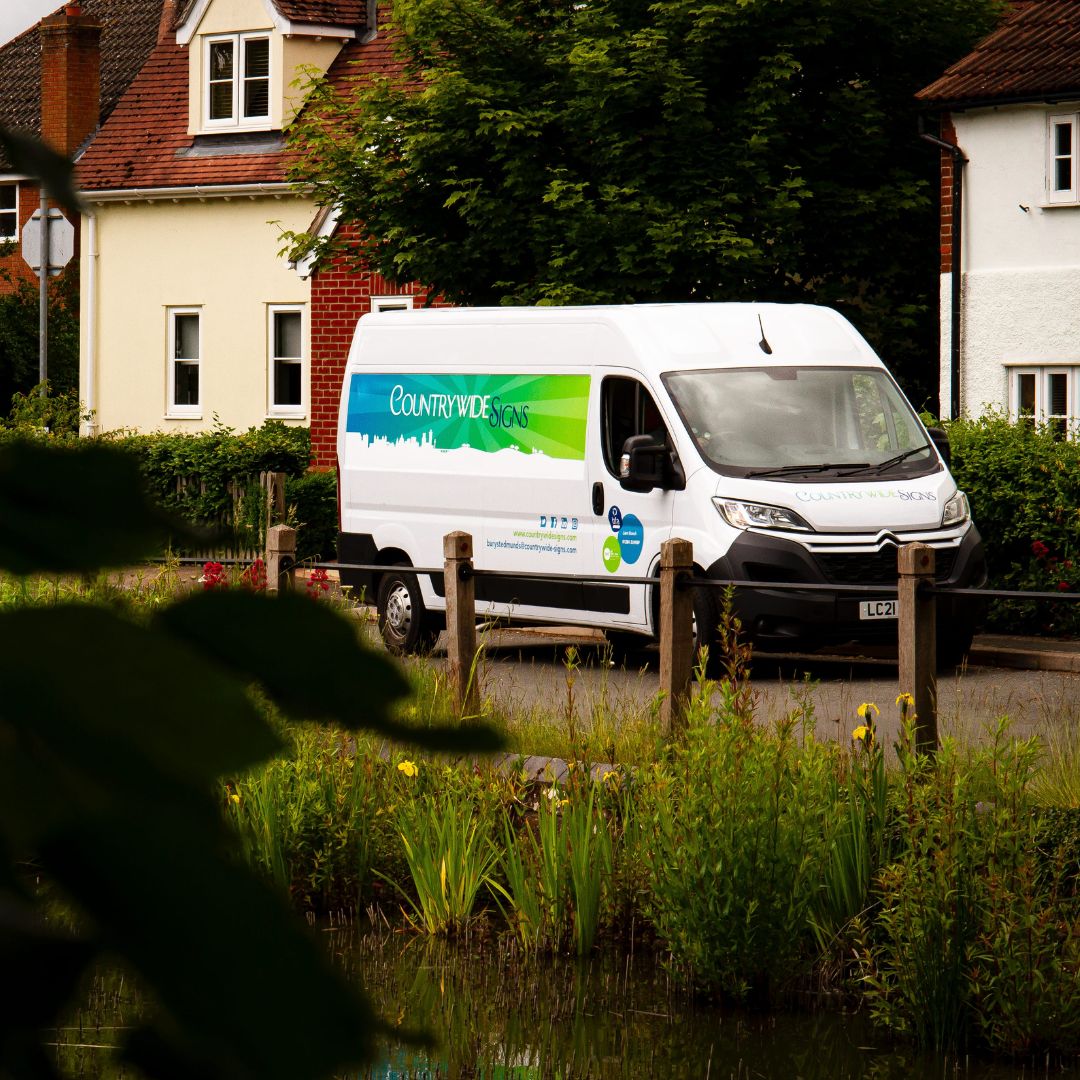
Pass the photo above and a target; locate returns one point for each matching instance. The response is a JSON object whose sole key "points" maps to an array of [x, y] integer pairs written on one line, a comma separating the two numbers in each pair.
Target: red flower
{"points": [[1039, 550], [1063, 586], [318, 581], [213, 576], [254, 577]]}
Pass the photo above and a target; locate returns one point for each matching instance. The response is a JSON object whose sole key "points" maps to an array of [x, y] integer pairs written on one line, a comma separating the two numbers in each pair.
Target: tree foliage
{"points": [[19, 341], [538, 151], [113, 734]]}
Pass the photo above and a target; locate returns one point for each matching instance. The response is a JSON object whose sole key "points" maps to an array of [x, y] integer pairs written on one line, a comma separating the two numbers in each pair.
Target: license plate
{"points": [[877, 609]]}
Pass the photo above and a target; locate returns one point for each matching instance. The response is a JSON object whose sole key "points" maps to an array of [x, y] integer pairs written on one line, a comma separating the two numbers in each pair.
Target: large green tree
{"points": [[627, 151]]}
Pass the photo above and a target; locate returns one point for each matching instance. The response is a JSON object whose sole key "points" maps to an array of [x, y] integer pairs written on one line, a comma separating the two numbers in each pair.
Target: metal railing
{"points": [[916, 591]]}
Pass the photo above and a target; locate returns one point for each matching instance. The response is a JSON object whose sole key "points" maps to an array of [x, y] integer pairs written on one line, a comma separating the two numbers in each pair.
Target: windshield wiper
{"points": [[803, 470], [888, 463]]}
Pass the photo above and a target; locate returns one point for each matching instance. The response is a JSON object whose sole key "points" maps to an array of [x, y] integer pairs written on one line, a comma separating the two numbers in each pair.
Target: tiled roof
{"points": [[322, 12], [129, 30], [146, 143], [1033, 56]]}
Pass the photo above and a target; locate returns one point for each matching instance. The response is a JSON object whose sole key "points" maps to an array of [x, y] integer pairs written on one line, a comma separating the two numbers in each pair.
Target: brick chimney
{"points": [[70, 78]]}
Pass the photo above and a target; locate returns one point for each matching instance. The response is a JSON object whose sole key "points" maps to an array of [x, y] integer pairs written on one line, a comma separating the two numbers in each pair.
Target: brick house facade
{"points": [[58, 81], [339, 296]]}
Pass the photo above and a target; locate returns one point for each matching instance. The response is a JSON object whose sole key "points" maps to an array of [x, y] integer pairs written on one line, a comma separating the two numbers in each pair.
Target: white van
{"points": [[574, 441]]}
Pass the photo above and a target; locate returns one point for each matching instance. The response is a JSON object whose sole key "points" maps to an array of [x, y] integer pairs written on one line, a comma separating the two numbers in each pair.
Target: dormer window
{"points": [[238, 80]]}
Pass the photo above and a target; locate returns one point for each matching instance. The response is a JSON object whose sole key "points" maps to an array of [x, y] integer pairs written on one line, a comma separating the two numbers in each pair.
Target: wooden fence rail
{"points": [[916, 625]]}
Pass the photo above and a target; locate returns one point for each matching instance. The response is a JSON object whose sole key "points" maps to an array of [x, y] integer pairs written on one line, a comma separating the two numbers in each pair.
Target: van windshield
{"points": [[801, 422]]}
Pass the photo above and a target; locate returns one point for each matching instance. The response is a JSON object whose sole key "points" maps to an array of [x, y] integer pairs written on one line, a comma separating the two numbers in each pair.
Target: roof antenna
{"points": [[765, 347]]}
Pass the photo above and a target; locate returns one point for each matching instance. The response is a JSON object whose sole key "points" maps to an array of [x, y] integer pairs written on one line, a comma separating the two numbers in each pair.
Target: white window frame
{"points": [[1042, 374], [173, 410], [1063, 195], [391, 303], [14, 237], [239, 77], [273, 408]]}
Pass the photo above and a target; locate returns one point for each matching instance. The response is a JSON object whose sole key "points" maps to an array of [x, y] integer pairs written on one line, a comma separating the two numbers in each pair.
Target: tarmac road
{"points": [[526, 670]]}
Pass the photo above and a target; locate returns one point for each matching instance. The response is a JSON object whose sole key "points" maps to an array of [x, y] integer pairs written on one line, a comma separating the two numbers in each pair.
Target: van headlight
{"points": [[748, 515], [957, 510]]}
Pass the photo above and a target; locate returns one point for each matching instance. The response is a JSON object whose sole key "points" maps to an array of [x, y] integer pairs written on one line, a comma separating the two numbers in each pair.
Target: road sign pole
{"points": [[43, 298]]}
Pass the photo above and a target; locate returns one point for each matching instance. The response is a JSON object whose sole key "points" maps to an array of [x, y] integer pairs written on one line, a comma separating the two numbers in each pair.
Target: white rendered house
{"points": [[1010, 219]]}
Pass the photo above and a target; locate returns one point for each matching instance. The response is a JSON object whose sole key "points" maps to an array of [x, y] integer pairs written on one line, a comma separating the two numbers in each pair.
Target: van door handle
{"points": [[598, 498]]}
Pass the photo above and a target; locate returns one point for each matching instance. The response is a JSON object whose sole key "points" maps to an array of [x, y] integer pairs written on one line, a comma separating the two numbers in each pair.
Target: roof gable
{"points": [[287, 16], [129, 30], [1033, 56]]}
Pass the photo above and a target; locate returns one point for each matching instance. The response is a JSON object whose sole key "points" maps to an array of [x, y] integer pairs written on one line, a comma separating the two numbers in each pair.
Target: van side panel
{"points": [[474, 428]]}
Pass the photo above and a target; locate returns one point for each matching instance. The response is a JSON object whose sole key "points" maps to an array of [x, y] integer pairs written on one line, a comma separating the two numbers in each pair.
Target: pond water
{"points": [[494, 1014]]}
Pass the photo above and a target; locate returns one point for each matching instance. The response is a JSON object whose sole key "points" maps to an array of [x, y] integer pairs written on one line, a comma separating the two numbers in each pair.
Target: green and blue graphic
{"points": [[628, 542], [537, 414]]}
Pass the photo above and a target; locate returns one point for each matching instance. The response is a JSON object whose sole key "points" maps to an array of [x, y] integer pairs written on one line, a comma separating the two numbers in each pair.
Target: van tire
{"points": [[625, 650], [707, 615], [405, 624], [953, 644]]}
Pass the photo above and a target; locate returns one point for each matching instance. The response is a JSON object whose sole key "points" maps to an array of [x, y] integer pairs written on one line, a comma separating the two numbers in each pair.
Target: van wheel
{"points": [[707, 631], [405, 624], [953, 644], [626, 649]]}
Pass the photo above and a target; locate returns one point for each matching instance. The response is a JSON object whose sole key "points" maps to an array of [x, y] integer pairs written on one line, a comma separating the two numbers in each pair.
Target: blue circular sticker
{"points": [[631, 539], [614, 516]]}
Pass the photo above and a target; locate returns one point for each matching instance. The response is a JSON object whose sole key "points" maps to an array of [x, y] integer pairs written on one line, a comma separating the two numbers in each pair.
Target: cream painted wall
{"points": [[219, 256], [1021, 257], [304, 56], [287, 56]]}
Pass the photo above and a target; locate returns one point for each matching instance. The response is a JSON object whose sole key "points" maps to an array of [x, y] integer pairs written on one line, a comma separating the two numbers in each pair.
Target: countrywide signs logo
{"points": [[535, 414]]}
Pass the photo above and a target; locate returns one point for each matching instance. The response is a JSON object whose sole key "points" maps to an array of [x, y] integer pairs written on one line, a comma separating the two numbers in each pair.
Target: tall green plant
{"points": [[451, 855], [858, 789], [972, 941], [590, 866], [733, 832]]}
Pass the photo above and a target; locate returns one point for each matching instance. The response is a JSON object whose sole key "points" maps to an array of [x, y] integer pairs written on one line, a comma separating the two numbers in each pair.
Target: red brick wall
{"points": [[70, 79], [12, 267], [70, 109], [339, 297], [948, 133]]}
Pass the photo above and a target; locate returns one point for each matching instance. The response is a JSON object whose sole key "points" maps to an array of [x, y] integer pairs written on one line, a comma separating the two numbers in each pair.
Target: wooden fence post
{"points": [[918, 638], [280, 557], [461, 621], [676, 634]]}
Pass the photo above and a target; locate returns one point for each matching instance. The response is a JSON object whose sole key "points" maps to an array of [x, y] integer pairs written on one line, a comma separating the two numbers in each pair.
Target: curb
{"points": [[1036, 659]]}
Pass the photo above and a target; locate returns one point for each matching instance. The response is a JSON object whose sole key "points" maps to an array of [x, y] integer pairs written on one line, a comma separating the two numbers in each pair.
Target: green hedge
{"points": [[1024, 488], [210, 462], [222, 457], [311, 501]]}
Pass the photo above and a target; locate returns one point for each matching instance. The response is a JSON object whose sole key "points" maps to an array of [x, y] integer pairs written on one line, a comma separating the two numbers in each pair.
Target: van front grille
{"points": [[877, 567]]}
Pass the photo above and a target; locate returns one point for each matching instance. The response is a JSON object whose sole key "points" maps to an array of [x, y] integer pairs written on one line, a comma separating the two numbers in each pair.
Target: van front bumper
{"points": [[790, 620]]}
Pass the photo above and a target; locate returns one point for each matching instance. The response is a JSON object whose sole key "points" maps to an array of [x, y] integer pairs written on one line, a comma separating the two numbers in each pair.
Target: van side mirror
{"points": [[646, 464], [940, 438]]}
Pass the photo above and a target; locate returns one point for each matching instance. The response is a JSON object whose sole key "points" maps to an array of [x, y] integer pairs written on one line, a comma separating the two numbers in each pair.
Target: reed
{"points": [[450, 854]]}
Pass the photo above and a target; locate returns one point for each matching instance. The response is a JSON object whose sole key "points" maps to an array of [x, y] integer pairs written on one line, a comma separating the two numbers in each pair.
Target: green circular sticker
{"points": [[612, 554]]}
